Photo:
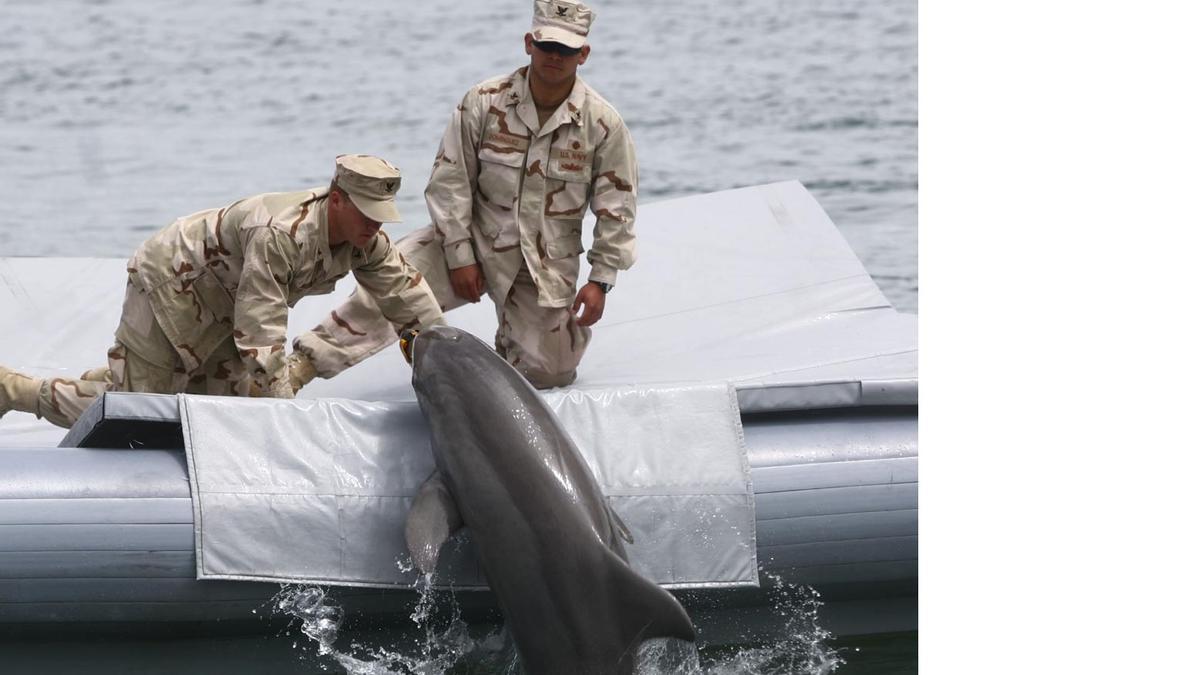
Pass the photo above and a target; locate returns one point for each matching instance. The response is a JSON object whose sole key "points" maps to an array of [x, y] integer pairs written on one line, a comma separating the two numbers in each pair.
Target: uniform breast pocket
{"points": [[568, 188], [499, 180]]}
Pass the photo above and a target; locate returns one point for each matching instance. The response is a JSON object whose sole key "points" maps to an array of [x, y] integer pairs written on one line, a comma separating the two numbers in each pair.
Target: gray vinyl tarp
{"points": [[753, 286], [317, 491]]}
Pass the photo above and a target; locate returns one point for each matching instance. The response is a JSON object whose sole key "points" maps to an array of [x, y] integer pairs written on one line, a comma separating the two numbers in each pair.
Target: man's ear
{"points": [[529, 44], [583, 53]]}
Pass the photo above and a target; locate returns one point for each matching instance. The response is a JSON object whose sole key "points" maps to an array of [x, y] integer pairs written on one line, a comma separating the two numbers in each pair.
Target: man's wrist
{"points": [[459, 254], [604, 287], [602, 273]]}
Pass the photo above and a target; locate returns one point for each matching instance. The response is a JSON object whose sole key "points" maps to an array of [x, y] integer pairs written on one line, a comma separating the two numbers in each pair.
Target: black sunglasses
{"points": [[556, 48]]}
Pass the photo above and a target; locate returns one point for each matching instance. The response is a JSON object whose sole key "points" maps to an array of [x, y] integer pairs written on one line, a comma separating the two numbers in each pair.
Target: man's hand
{"points": [[407, 336], [591, 298], [300, 370], [468, 282]]}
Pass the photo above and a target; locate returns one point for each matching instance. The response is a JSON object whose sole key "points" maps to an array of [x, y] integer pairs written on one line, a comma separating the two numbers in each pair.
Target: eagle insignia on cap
{"points": [[390, 185], [562, 10]]}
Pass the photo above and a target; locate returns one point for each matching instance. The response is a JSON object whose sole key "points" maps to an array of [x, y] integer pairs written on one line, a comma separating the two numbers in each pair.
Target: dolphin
{"points": [[549, 544]]}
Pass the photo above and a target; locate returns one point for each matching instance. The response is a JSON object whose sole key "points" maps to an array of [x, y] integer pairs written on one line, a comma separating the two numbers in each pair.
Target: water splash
{"points": [[319, 619], [443, 643], [803, 649], [442, 640], [804, 646]]}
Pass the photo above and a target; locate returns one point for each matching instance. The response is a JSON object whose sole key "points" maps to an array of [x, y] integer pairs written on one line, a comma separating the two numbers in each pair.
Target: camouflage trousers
{"points": [[545, 344], [141, 360]]}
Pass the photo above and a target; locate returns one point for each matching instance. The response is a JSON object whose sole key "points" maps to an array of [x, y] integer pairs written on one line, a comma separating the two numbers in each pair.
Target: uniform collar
{"points": [[321, 218], [570, 111]]}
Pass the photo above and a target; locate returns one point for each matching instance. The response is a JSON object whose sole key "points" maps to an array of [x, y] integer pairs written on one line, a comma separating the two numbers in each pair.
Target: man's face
{"points": [[348, 224], [548, 62]]}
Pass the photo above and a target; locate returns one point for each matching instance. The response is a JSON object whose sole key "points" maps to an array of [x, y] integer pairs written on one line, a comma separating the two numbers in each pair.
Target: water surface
{"points": [[117, 116]]}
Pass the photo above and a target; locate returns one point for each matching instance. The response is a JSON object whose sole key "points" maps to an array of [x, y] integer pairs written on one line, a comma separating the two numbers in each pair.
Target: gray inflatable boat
{"points": [[100, 531], [753, 287]]}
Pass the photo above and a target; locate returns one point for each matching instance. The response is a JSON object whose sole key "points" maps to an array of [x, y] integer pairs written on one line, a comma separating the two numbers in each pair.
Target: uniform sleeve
{"points": [[260, 309], [451, 189], [391, 296], [402, 295], [347, 335], [614, 201]]}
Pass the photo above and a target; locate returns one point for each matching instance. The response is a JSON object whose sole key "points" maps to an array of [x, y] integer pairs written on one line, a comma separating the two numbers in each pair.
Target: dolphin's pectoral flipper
{"points": [[618, 524], [432, 519], [646, 610]]}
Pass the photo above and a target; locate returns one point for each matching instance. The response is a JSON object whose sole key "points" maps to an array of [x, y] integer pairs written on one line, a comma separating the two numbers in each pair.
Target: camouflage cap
{"points": [[562, 21], [371, 183]]}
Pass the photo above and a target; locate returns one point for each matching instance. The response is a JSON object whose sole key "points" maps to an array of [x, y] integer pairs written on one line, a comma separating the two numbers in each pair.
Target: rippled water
{"points": [[444, 644], [319, 638], [116, 116]]}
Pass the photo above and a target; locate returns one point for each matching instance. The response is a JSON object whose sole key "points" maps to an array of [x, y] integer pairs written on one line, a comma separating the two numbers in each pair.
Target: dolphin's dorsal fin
{"points": [[618, 524], [432, 518], [646, 610]]}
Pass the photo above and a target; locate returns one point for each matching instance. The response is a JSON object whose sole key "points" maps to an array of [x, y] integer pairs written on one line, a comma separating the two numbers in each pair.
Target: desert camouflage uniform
{"points": [[504, 195], [511, 195], [513, 200], [207, 302]]}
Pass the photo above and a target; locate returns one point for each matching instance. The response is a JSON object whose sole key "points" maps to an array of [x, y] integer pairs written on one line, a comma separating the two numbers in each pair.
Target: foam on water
{"points": [[319, 620], [446, 645], [439, 645]]}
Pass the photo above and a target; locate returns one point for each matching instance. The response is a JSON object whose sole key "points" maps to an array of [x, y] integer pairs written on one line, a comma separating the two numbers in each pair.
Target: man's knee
{"points": [[130, 370], [541, 372], [548, 355], [546, 380], [423, 250]]}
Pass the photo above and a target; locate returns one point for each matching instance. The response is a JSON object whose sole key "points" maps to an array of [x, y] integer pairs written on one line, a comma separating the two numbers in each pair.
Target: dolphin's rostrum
{"points": [[549, 544]]}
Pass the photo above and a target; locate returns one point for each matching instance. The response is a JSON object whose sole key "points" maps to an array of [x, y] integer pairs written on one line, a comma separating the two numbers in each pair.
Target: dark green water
{"points": [[303, 630], [892, 653], [877, 654]]}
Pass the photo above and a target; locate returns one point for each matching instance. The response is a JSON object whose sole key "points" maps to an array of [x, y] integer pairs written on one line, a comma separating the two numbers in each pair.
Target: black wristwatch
{"points": [[603, 286]]}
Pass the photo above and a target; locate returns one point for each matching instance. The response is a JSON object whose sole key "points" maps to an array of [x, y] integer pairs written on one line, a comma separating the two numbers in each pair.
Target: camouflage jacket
{"points": [[236, 271], [500, 193]]}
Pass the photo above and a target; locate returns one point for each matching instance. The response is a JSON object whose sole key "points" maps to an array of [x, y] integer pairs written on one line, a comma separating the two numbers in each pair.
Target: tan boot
{"points": [[101, 374], [18, 392]]}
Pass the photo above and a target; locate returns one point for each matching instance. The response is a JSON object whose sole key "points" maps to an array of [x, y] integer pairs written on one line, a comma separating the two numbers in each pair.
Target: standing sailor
{"points": [[523, 157]]}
